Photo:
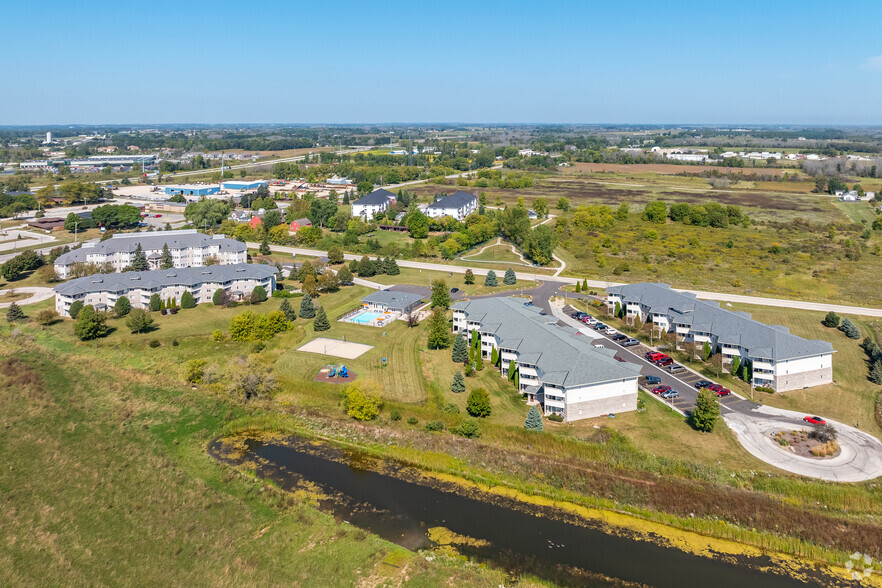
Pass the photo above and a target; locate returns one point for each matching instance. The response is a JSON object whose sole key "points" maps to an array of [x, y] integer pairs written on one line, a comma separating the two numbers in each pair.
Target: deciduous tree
{"points": [[139, 320]]}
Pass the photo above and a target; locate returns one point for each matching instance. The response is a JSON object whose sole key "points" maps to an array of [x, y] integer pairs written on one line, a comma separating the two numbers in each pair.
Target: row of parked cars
{"points": [[663, 360], [592, 322], [716, 388]]}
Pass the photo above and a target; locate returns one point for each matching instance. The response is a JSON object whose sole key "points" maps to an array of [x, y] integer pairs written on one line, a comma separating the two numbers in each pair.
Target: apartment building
{"points": [[557, 367], [188, 248], [458, 205], [370, 204], [103, 290], [777, 359]]}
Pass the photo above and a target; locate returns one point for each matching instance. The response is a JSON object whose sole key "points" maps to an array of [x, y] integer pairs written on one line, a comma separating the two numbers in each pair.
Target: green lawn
{"points": [[424, 277], [495, 253]]}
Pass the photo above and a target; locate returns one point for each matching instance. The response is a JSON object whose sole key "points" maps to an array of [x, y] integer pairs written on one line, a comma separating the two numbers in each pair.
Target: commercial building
{"points": [[103, 290], [557, 367], [392, 301], [776, 358], [166, 206], [192, 190], [243, 185], [458, 205], [370, 204], [188, 248]]}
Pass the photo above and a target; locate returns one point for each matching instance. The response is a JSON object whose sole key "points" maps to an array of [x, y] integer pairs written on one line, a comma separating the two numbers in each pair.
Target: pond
{"points": [[402, 506]]}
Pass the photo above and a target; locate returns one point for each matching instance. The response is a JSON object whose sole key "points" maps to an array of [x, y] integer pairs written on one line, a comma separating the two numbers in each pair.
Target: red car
{"points": [[157, 215], [814, 420], [664, 362], [723, 392], [715, 388], [660, 389]]}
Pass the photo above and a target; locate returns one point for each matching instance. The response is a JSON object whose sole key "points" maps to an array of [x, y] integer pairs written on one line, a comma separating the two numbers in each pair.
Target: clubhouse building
{"points": [[558, 367], [776, 358], [188, 248], [103, 290]]}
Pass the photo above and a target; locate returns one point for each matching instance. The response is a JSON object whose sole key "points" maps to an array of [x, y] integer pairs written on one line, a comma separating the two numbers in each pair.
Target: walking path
{"points": [[38, 294]]}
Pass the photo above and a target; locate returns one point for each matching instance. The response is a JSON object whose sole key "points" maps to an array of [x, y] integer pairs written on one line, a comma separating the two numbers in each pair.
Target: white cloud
{"points": [[873, 63]]}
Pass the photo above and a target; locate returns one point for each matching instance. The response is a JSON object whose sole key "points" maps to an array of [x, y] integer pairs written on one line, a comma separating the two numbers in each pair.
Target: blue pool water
{"points": [[365, 317]]}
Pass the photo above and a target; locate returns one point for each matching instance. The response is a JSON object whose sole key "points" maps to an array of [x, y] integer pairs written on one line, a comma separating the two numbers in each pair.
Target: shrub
{"points": [[219, 298], [534, 419], [831, 320], [361, 401], [282, 294], [155, 303], [258, 295], [217, 335], [823, 433], [478, 404], [250, 326], [154, 343], [46, 317], [556, 418], [467, 428], [75, 309], [434, 426], [850, 329], [195, 371], [187, 300], [395, 415], [139, 321], [450, 408], [412, 420]]}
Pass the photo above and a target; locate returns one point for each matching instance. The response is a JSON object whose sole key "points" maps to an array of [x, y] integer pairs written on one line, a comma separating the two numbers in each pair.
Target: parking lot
{"points": [[684, 382]]}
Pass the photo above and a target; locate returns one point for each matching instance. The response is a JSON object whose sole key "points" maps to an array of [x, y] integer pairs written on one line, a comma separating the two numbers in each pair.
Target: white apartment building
{"points": [[458, 205], [557, 367], [188, 248], [103, 290], [777, 359], [370, 204]]}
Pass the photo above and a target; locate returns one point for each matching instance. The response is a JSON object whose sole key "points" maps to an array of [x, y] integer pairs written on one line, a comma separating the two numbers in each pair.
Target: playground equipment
{"points": [[343, 373], [333, 372]]}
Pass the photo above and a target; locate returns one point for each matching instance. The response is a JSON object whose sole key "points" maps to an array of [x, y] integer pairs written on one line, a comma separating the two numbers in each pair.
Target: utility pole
{"points": [[76, 226]]}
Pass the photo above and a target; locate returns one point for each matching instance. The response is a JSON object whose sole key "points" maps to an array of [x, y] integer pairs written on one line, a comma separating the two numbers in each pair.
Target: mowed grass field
{"points": [[424, 277]]}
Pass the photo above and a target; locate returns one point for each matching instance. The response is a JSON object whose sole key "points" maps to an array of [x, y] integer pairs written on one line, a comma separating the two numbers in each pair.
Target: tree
{"points": [[366, 267], [469, 277], [288, 310], [460, 349], [392, 268], [479, 359], [440, 294], [736, 364], [478, 403], [139, 263], [876, 372], [490, 280], [306, 269], [458, 385], [706, 412], [850, 329], [155, 302], [831, 320], [250, 379], [15, 313], [706, 350], [362, 401], [219, 298], [417, 224], [188, 300], [250, 326], [207, 212], [122, 307], [166, 261], [563, 204], [90, 324], [656, 212], [515, 224], [307, 310], [585, 285], [578, 286], [195, 371], [509, 278], [139, 320], [321, 322], [335, 255], [540, 244], [512, 370], [540, 207], [494, 357], [258, 295], [534, 419], [344, 275], [75, 309], [439, 337], [264, 248]]}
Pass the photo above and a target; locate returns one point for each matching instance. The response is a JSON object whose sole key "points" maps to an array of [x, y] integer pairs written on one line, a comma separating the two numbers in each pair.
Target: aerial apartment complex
{"points": [[777, 358], [458, 205], [103, 290], [557, 367], [188, 248]]}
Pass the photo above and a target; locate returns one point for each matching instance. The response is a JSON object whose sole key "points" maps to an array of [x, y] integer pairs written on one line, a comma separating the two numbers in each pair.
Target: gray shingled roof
{"points": [[380, 196], [773, 342], [455, 200], [392, 299], [188, 276], [563, 356], [128, 242]]}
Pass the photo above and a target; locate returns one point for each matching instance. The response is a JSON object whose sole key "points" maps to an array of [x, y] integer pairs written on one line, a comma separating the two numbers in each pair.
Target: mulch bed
{"points": [[801, 444]]}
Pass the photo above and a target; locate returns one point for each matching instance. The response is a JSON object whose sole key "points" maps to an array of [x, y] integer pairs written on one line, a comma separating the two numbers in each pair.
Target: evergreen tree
{"points": [[307, 310], [494, 357], [155, 302], [850, 329], [512, 370], [188, 300], [458, 385], [122, 307], [831, 320], [479, 360], [876, 372], [736, 365], [15, 313], [439, 336], [490, 280], [469, 277], [288, 310], [517, 381], [75, 309], [585, 285], [166, 261], [163, 305], [707, 411], [366, 268], [139, 264], [578, 287], [534, 419], [706, 349], [460, 349], [306, 269], [440, 294], [173, 303], [745, 373], [478, 403], [392, 268], [321, 322], [509, 277], [90, 324], [344, 275], [264, 248]]}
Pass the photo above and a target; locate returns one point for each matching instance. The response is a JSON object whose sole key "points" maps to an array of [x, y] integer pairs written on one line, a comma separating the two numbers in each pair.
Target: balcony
{"points": [[763, 366]]}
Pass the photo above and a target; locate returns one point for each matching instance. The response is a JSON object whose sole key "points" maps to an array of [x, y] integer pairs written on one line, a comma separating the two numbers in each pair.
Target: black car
{"points": [[599, 326], [454, 290], [702, 384], [619, 337]]}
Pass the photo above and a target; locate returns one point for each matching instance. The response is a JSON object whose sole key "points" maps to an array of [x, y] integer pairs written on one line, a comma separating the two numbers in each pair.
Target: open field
{"points": [[424, 278], [666, 168]]}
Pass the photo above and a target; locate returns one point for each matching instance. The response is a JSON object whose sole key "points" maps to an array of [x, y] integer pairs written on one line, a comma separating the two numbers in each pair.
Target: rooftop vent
{"points": [[171, 275]]}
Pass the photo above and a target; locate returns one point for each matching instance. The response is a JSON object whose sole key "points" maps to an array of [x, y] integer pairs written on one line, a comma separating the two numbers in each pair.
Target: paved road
{"points": [[38, 294]]}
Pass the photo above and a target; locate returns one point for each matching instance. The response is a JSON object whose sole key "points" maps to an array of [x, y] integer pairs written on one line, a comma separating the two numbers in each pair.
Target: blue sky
{"points": [[374, 61]]}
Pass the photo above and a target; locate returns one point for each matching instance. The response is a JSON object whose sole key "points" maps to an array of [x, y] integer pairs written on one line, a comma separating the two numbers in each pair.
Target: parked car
{"points": [[610, 331], [600, 327], [619, 337], [654, 355], [454, 290], [814, 420], [589, 321], [703, 384], [660, 389], [664, 362], [723, 392], [670, 395], [714, 387], [630, 342], [157, 215], [652, 380], [676, 368]]}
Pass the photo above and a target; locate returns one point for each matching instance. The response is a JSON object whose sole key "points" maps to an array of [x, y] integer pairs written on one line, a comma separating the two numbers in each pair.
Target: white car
{"points": [[591, 321], [610, 331]]}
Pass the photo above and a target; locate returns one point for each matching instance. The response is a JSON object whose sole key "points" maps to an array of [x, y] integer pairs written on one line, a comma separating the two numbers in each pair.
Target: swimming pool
{"points": [[365, 317]]}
